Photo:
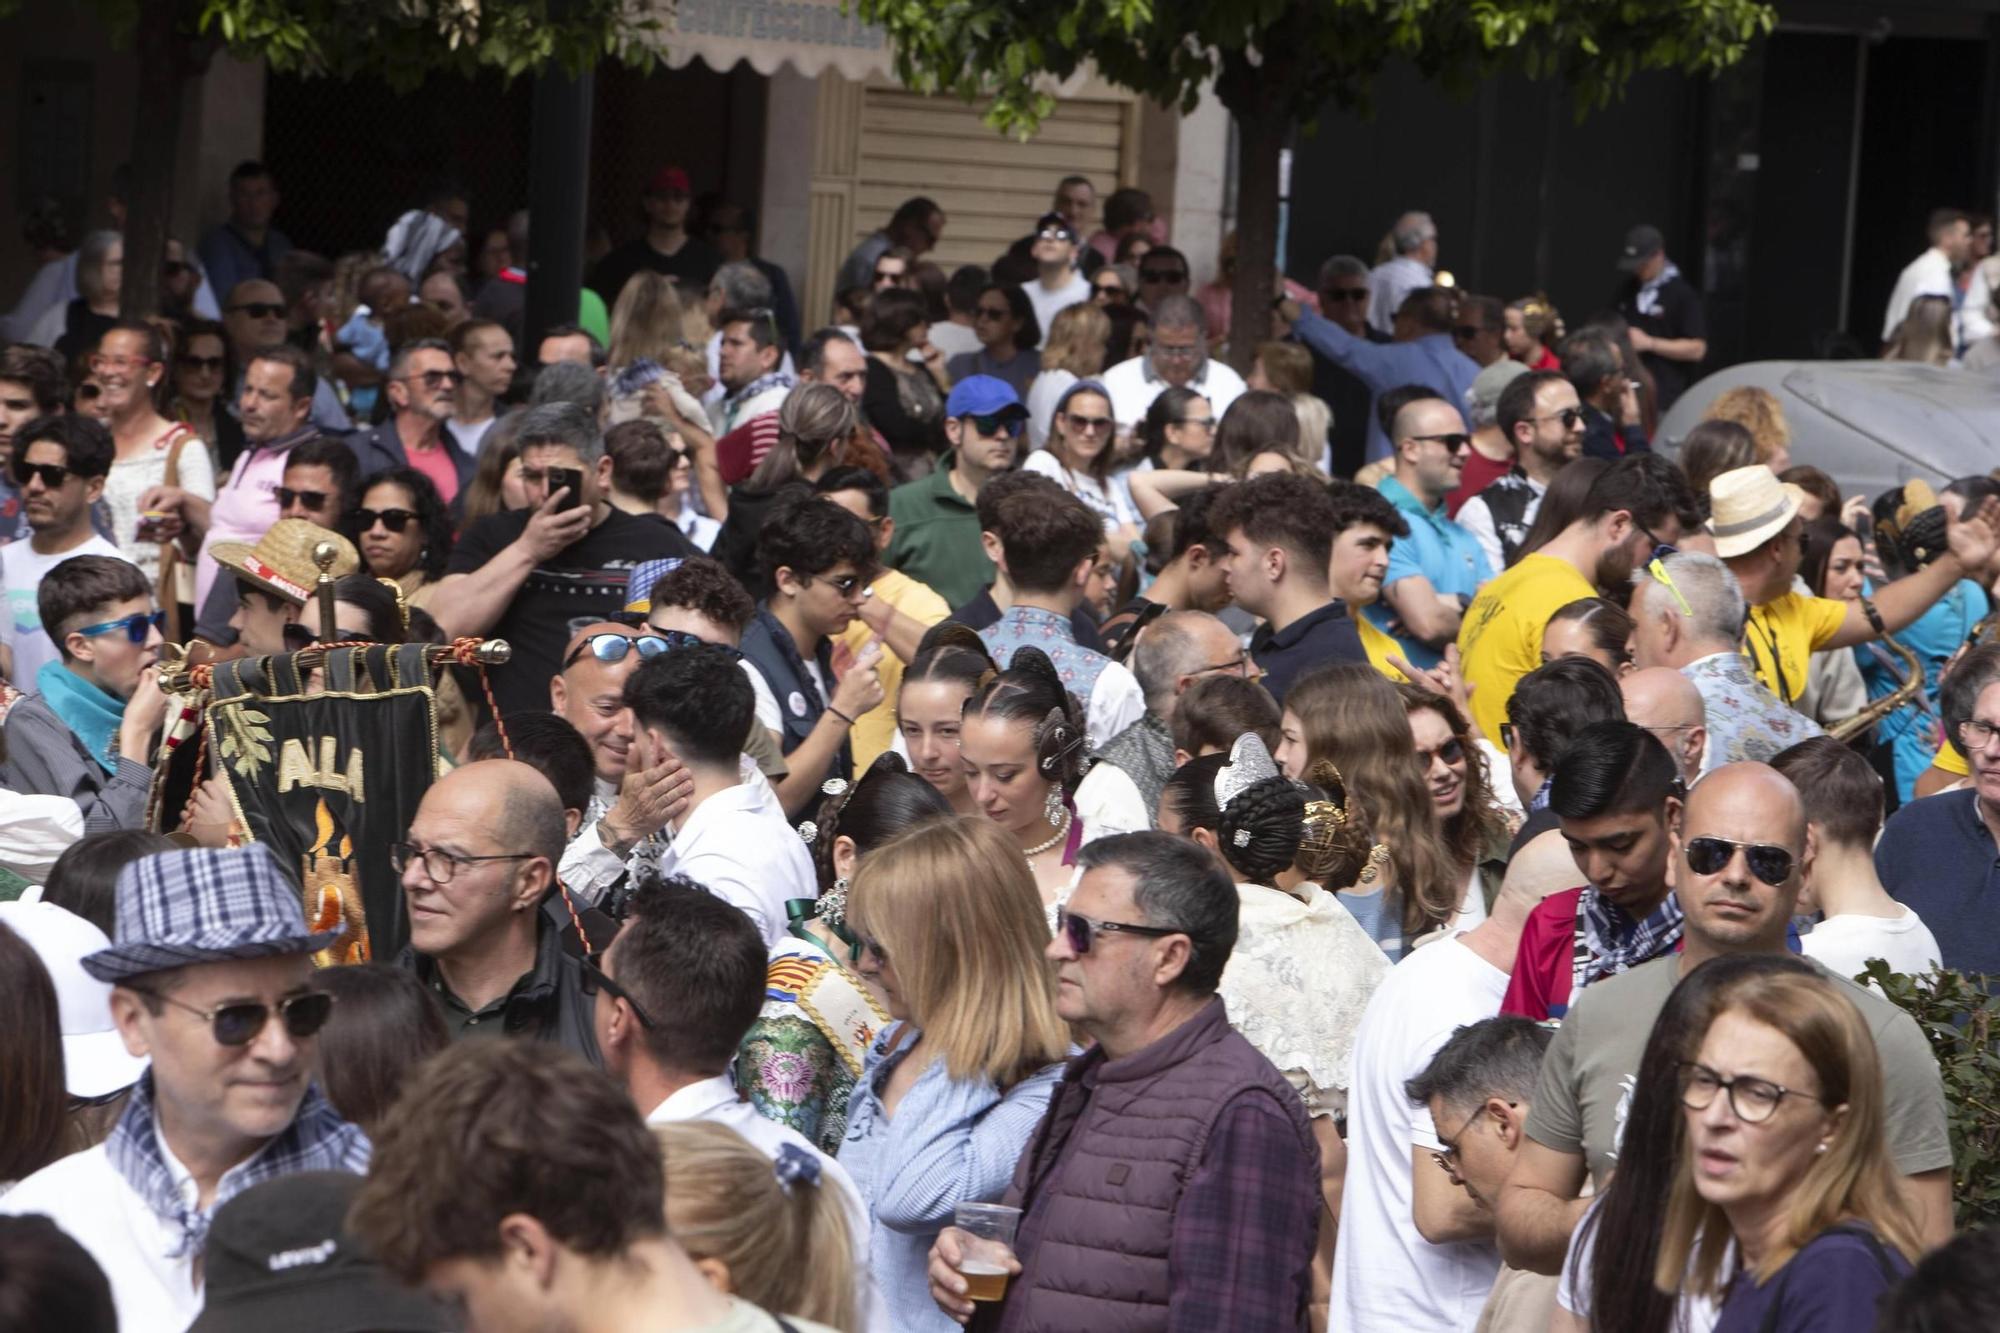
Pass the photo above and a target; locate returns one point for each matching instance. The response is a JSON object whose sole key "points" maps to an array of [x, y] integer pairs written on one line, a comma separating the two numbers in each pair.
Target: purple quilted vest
{"points": [[1096, 1233]]}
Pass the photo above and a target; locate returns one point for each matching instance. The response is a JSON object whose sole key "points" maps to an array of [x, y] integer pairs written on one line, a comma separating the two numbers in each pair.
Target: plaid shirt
{"points": [[316, 1140], [1247, 1219], [1615, 941]]}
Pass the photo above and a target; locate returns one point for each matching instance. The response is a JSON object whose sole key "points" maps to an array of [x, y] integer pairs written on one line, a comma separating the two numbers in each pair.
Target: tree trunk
{"points": [[1260, 136], [164, 61]]}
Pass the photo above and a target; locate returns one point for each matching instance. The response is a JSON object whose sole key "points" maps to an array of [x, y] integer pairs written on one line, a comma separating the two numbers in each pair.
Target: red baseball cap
{"points": [[669, 180]]}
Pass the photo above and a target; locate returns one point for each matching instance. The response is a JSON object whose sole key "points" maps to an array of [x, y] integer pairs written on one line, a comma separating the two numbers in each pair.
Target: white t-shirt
{"points": [[954, 339], [1043, 395], [738, 845], [1385, 1275], [469, 436], [21, 571], [1047, 303], [1695, 1315], [1133, 389], [767, 702], [1105, 500], [1846, 943]]}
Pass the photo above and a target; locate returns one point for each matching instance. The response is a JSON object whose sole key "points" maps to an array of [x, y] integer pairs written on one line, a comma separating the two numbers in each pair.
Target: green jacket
{"points": [[937, 537]]}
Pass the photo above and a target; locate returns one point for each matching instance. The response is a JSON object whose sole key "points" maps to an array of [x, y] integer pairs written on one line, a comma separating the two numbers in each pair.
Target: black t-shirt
{"points": [[1679, 316], [582, 584], [691, 266]]}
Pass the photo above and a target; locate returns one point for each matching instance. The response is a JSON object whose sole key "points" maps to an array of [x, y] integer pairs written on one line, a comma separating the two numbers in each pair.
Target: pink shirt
{"points": [[436, 463], [243, 510]]}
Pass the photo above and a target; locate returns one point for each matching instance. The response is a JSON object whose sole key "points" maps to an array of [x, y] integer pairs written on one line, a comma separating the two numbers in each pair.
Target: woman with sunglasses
{"points": [[1009, 336], [1079, 458], [1075, 351], [163, 480], [1110, 286], [951, 665], [1022, 747], [1477, 829], [1349, 716], [1785, 1157], [1293, 938], [798, 1062], [952, 930], [402, 530], [202, 373]]}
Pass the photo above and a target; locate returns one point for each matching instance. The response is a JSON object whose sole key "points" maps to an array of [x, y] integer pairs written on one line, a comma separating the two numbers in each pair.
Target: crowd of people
{"points": [[989, 816]]}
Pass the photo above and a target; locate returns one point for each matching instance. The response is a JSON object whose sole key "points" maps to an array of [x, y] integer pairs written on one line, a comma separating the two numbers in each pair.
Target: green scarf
{"points": [[84, 708]]}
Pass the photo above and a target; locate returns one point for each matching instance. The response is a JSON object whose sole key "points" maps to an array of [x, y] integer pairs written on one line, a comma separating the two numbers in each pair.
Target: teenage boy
{"points": [[59, 464], [275, 580]]}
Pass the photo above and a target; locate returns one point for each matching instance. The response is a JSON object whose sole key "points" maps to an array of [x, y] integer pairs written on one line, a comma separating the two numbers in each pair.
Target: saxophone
{"points": [[1913, 681]]}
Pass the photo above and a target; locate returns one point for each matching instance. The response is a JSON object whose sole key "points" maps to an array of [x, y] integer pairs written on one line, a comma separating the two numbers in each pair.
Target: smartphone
{"points": [[571, 477]]}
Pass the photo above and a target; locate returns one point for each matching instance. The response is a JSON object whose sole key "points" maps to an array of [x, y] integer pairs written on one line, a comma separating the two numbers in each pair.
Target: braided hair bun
{"points": [[1031, 690]]}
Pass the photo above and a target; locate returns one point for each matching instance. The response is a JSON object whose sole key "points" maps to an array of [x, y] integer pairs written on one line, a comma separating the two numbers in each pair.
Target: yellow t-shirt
{"points": [[1378, 646], [1948, 760], [1792, 627], [875, 730], [1500, 640]]}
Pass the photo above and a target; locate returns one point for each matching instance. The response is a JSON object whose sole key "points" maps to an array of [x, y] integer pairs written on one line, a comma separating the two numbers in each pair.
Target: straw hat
{"points": [[281, 563], [1748, 507]]}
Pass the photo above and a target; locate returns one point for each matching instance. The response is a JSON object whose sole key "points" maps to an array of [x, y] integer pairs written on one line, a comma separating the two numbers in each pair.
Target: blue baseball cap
{"points": [[983, 396]]}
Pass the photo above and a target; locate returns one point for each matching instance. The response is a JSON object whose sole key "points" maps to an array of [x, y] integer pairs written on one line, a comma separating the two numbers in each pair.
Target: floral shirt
{"points": [[1745, 720]]}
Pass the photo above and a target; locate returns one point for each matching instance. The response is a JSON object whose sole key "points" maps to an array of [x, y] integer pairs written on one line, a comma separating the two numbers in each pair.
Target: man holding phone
{"points": [[529, 576]]}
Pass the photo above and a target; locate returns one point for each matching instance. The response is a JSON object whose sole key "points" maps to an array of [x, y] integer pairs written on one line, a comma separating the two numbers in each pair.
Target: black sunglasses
{"points": [[615, 647], [1772, 865], [1452, 440], [201, 363], [1344, 294], [991, 425], [395, 520], [174, 268], [239, 1024], [287, 497], [259, 309], [437, 379], [1569, 416], [1506, 735], [1080, 932], [1165, 275], [53, 475], [595, 979], [136, 626]]}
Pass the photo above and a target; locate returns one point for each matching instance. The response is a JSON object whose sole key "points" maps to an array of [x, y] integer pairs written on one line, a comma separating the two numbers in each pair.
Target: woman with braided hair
{"points": [[1021, 742], [799, 1060], [1294, 941], [951, 665]]}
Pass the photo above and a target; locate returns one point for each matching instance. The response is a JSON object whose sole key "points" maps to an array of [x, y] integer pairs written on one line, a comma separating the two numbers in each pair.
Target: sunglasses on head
{"points": [[214, 363], [259, 309], [395, 520], [1009, 426], [287, 497], [1080, 932], [136, 626], [53, 475], [239, 1024], [1772, 865], [615, 647]]}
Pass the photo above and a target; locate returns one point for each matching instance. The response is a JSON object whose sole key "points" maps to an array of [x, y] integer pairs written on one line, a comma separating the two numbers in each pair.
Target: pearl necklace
{"points": [[1062, 831]]}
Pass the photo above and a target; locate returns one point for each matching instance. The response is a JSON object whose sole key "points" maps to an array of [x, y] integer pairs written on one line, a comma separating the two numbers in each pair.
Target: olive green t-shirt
{"points": [[1585, 1090]]}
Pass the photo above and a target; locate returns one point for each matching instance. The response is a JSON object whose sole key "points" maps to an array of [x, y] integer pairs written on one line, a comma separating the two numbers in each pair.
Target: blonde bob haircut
{"points": [[786, 1252], [1078, 336], [1853, 1179], [646, 321], [953, 906]]}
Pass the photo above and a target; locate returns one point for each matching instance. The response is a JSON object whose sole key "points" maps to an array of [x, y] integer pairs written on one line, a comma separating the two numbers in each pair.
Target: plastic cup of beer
{"points": [[986, 1247]]}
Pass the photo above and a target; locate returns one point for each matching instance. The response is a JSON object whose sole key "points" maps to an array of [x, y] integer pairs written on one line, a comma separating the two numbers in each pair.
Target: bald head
{"points": [[1177, 648], [519, 804], [1666, 703], [1746, 803], [1743, 857]]}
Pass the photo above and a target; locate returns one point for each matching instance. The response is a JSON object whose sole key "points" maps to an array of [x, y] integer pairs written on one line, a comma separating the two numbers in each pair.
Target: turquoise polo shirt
{"points": [[1437, 548]]}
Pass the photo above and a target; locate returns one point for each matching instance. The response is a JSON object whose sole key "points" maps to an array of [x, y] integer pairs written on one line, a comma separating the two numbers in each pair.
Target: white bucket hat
{"points": [[95, 1061], [1748, 507]]}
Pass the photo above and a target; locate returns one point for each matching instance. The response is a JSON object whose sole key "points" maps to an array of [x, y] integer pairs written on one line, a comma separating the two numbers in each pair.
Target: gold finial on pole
{"points": [[324, 554]]}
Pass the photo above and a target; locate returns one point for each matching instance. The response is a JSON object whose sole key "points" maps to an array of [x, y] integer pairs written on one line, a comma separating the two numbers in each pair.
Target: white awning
{"points": [[809, 35]]}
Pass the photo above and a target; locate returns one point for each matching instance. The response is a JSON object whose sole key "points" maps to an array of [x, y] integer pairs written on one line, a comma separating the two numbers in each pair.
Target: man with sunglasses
{"points": [[254, 318], [1542, 421], [1436, 571], [1739, 851], [423, 387], [1688, 614], [316, 487], [86, 730], [1343, 299], [488, 917], [1058, 282], [666, 247], [32, 386], [938, 541], [1596, 367], [1213, 1211], [59, 466], [1178, 358], [211, 969], [1422, 352]]}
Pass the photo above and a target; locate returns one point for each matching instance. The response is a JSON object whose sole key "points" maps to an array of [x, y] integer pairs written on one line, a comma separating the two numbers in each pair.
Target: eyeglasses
{"points": [[436, 379], [1113, 288], [595, 979], [88, 392], [259, 309], [211, 364], [1661, 550], [53, 475], [239, 1024], [1235, 666], [1570, 417], [1976, 733], [616, 647], [1009, 426], [440, 866], [1659, 573], [395, 520], [1170, 277], [1344, 294], [1206, 423], [1447, 1157], [1087, 425], [1081, 931], [1452, 440], [136, 626], [120, 363], [1771, 864], [1175, 352], [1754, 1100], [313, 500], [1451, 752], [991, 312], [844, 585]]}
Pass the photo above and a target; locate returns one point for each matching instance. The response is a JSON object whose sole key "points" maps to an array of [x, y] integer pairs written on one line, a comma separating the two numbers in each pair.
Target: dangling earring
{"points": [[1052, 808]]}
